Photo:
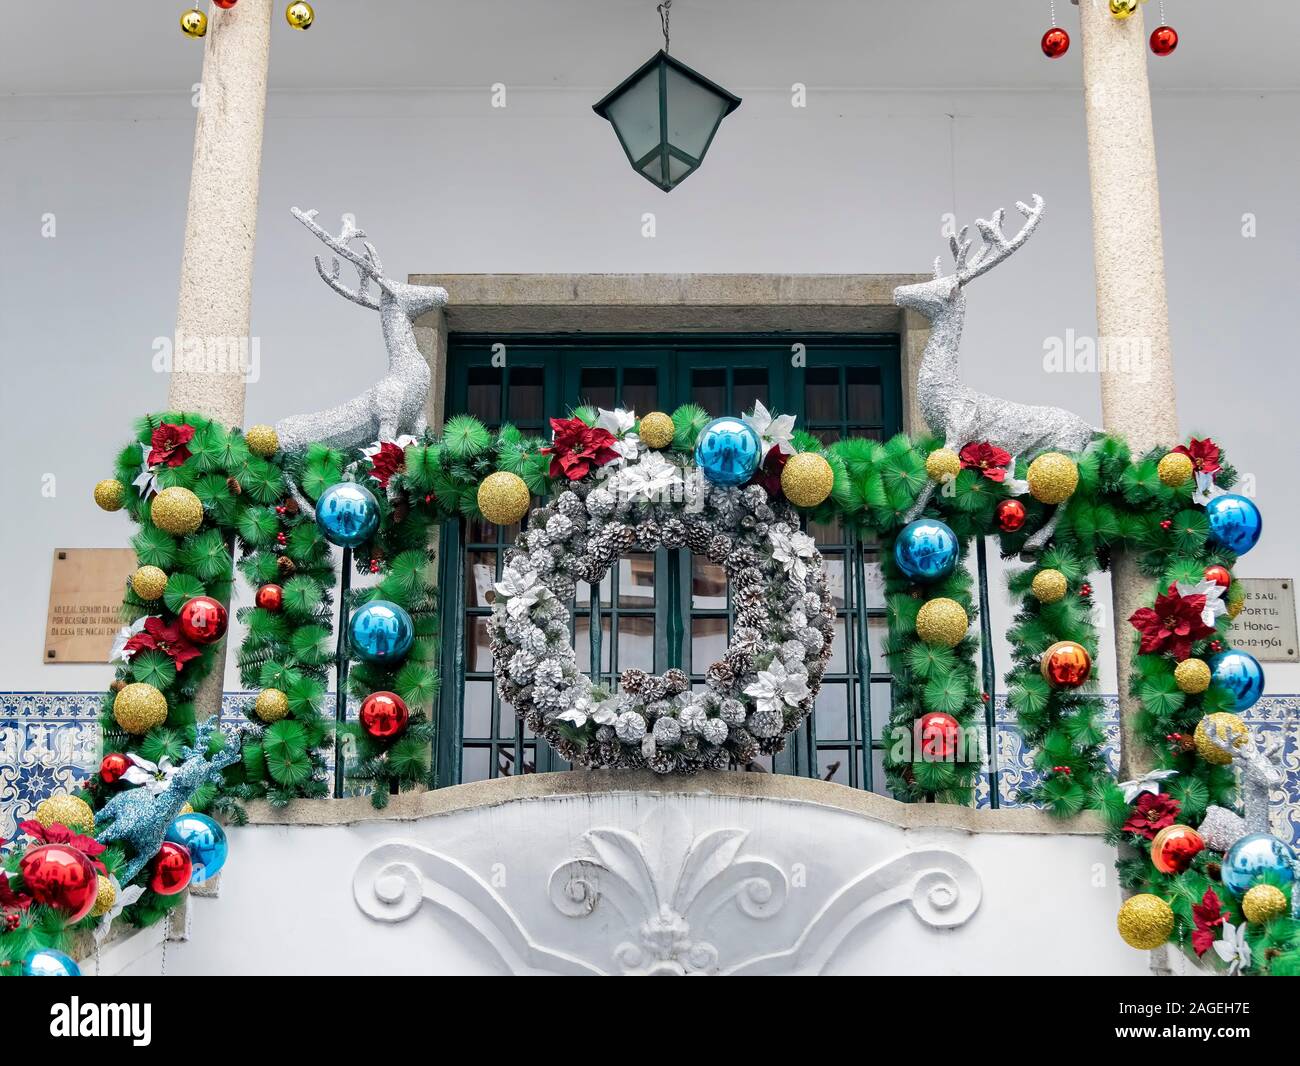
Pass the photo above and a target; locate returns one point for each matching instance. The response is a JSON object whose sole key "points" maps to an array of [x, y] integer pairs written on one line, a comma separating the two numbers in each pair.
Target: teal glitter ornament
{"points": [[1239, 673], [1253, 856], [46, 962], [348, 514], [728, 451], [926, 550], [381, 632], [140, 820]]}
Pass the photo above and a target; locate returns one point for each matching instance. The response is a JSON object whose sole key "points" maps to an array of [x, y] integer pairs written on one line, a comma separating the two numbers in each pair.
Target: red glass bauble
{"points": [[171, 869], [1056, 42], [1164, 39], [1066, 664], [270, 597], [384, 715], [113, 766], [225, 5], [1011, 515], [936, 735], [62, 878], [203, 620], [1174, 848], [1220, 575]]}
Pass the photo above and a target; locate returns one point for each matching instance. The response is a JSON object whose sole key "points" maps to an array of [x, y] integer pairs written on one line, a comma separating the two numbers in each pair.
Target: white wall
{"points": [[856, 182]]}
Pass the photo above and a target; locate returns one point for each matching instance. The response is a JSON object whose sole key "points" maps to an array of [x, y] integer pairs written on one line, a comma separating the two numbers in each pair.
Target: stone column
{"points": [[217, 264], [1137, 393], [212, 321]]}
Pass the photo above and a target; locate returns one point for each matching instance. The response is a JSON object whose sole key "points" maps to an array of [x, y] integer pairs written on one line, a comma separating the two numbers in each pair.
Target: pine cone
{"points": [[719, 548], [676, 681], [766, 722], [720, 675], [633, 681], [291, 505], [743, 746], [667, 732], [647, 534], [286, 565], [236, 489], [698, 536]]}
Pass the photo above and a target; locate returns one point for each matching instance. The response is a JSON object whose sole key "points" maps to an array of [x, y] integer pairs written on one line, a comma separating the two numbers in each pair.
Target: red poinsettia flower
{"points": [[577, 448], [1173, 624], [988, 459], [1204, 455], [11, 900], [387, 461], [1208, 916], [61, 834], [769, 474], [168, 639], [1152, 813], [168, 445]]}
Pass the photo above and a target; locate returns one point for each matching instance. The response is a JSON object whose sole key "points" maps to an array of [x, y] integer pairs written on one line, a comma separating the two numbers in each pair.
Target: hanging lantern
{"points": [[665, 115]]}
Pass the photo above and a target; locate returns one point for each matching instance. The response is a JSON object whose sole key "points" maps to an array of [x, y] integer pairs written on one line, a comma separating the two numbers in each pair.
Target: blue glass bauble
{"points": [[1238, 672], [1254, 855], [348, 514], [1235, 522], [381, 632], [926, 550], [46, 962], [204, 839], [728, 451]]}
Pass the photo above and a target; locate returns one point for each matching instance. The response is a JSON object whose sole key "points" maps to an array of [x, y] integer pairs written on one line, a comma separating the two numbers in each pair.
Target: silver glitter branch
{"points": [[1260, 768], [956, 412], [396, 403]]}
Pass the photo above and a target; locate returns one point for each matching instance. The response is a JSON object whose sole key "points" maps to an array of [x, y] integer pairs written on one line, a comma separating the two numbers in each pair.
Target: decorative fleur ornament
{"points": [[665, 115], [1233, 949], [775, 431], [1151, 782], [155, 777]]}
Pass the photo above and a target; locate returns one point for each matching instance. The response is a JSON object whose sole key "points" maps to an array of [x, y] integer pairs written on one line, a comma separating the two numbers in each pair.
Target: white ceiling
{"points": [[135, 45]]}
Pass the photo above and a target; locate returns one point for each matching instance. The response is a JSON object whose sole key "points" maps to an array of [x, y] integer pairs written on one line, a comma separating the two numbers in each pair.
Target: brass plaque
{"points": [[86, 588], [1266, 626]]}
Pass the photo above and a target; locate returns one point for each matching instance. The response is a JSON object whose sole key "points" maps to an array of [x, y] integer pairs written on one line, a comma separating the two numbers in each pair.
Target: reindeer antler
{"points": [[368, 266], [997, 246]]}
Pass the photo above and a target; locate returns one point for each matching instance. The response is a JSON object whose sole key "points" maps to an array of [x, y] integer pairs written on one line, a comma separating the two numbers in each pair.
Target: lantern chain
{"points": [[664, 13]]}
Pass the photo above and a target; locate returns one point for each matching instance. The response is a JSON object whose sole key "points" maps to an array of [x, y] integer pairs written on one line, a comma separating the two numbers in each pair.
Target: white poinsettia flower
{"points": [[1206, 489], [793, 551], [1233, 948], [122, 899], [772, 430], [618, 421], [522, 590], [650, 478], [119, 654], [628, 447], [1151, 782], [1215, 607], [146, 481], [154, 776], [776, 688]]}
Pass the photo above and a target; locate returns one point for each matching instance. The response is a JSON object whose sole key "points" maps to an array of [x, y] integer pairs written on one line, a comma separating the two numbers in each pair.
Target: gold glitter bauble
{"points": [[942, 464], [807, 479], [1263, 903], [262, 441], [1053, 477], [271, 705], [1175, 469], [299, 15], [942, 621], [105, 897], [149, 582], [1050, 586], [139, 707], [1236, 598], [110, 494], [176, 511], [1123, 9], [1145, 922], [194, 23], [503, 498], [1225, 722], [1192, 676], [72, 811], [657, 430]]}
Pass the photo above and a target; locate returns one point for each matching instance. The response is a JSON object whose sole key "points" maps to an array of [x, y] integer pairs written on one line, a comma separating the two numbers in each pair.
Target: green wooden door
{"points": [[662, 609]]}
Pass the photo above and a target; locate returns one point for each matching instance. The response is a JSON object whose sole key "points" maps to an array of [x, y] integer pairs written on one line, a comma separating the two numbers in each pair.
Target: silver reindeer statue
{"points": [[957, 412], [1260, 768], [395, 404]]}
